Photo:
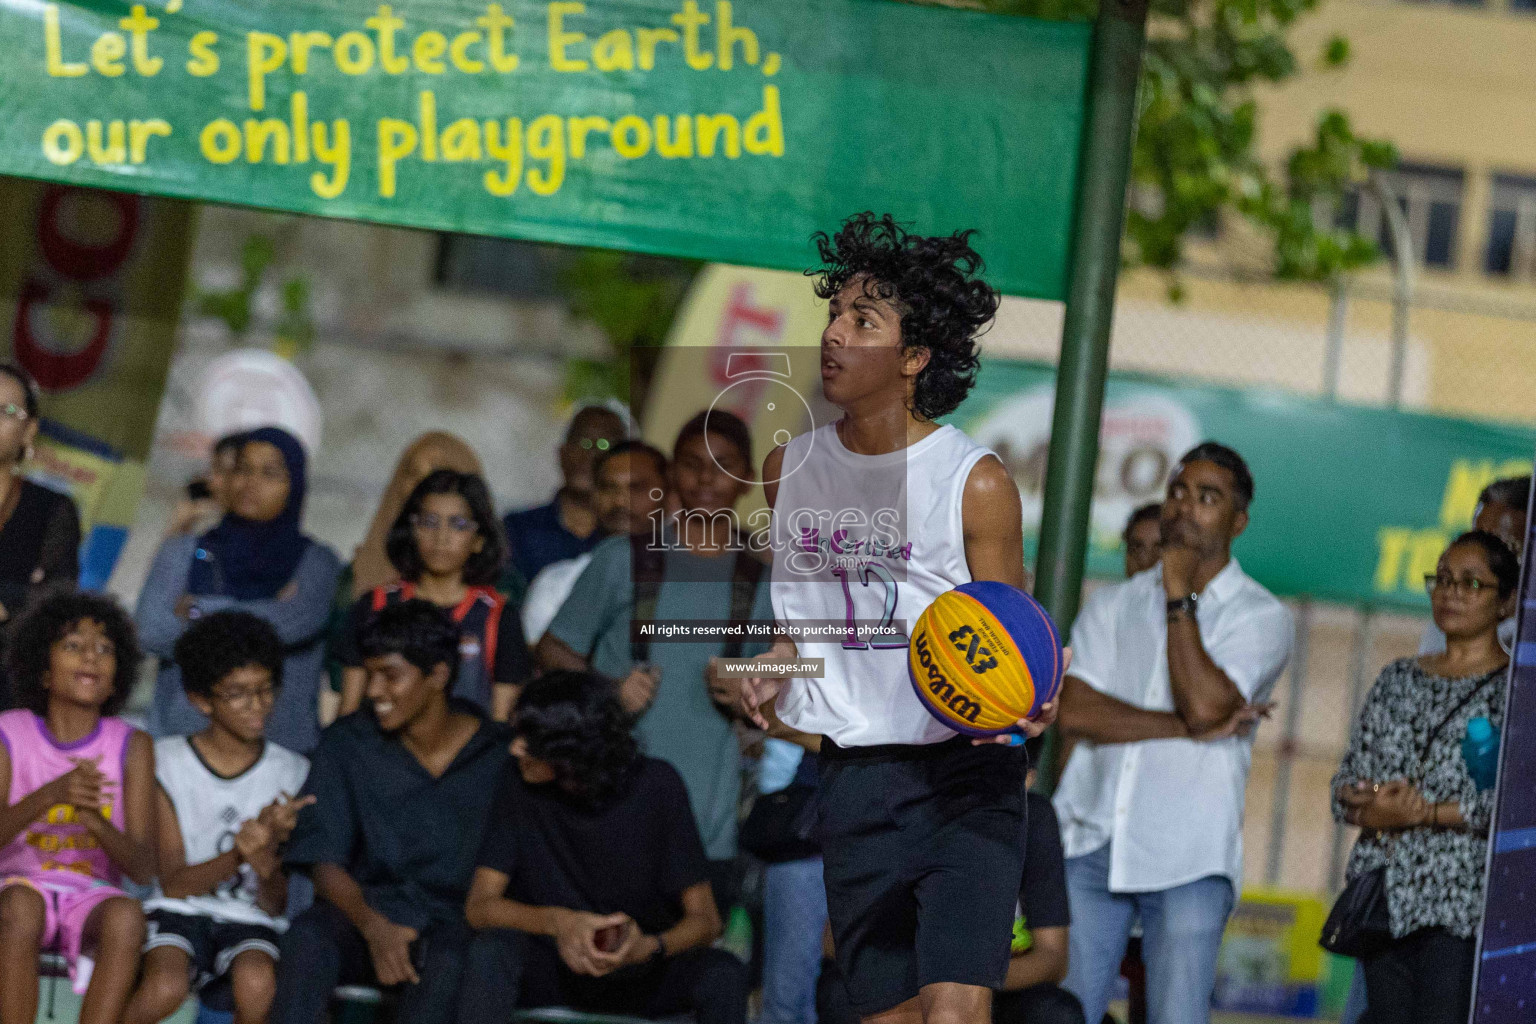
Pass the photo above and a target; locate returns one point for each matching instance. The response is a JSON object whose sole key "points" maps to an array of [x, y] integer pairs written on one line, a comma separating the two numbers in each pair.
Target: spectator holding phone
{"points": [[207, 497], [257, 560], [591, 887]]}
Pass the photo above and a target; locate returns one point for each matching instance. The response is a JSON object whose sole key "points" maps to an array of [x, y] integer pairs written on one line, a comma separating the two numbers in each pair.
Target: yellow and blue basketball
{"points": [[983, 656]]}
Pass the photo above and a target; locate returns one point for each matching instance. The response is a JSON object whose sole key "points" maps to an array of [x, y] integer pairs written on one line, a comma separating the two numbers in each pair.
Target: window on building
{"points": [[1512, 227], [1429, 196], [502, 266]]}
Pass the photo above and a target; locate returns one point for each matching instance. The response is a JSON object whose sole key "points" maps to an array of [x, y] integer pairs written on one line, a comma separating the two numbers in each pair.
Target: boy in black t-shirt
{"points": [[592, 888], [402, 789]]}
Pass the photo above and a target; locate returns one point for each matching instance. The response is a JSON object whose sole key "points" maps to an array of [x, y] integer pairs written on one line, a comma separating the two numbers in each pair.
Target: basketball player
{"points": [[876, 515]]}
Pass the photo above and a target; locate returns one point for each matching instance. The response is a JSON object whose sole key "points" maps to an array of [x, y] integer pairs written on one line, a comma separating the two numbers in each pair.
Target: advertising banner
{"points": [[90, 296], [711, 129], [1353, 504], [1270, 962]]}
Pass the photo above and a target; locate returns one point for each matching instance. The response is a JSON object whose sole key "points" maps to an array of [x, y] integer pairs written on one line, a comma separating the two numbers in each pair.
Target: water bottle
{"points": [[1480, 749]]}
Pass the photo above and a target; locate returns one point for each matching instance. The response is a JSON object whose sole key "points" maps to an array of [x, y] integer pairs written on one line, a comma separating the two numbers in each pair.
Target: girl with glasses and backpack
{"points": [[450, 550]]}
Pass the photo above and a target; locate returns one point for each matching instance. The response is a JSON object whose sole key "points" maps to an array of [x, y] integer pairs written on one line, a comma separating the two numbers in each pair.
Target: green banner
{"points": [[700, 128], [1353, 504]]}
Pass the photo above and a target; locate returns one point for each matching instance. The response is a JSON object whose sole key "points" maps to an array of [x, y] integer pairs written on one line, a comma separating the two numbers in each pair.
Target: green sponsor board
{"points": [[702, 128], [1353, 504]]}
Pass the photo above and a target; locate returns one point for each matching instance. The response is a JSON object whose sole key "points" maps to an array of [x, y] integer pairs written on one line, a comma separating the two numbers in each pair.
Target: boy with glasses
{"points": [[223, 811]]}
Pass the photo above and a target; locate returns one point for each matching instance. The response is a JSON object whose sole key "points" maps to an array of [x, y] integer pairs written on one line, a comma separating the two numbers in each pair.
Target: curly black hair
{"points": [[484, 566], [29, 646], [1502, 561], [572, 721], [935, 283], [417, 630], [218, 644]]}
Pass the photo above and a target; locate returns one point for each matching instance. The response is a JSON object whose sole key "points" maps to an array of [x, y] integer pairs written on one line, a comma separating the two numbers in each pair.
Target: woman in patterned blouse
{"points": [[1405, 783]]}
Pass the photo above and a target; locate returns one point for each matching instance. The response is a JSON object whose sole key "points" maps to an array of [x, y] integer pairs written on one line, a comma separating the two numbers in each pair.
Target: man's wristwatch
{"points": [[1184, 605]]}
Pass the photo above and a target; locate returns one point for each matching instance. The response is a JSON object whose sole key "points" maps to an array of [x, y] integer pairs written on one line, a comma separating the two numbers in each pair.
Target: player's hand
{"points": [[1029, 728], [281, 815], [759, 690], [389, 945], [1239, 723], [638, 689], [576, 939]]}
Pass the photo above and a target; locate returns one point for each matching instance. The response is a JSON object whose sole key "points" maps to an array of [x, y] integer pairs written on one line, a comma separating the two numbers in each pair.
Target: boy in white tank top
{"points": [[874, 516], [224, 812]]}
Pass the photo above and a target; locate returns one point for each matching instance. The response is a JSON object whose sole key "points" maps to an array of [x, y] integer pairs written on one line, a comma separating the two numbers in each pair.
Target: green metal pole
{"points": [[1119, 36]]}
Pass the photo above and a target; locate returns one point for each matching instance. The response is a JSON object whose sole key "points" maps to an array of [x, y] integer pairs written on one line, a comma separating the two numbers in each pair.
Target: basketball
{"points": [[983, 656]]}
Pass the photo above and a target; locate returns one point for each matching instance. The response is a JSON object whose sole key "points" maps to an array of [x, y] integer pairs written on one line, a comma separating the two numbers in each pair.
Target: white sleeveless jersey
{"points": [[869, 539], [210, 810]]}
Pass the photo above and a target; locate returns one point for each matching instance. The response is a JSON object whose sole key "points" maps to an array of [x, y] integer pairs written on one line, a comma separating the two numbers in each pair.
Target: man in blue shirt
{"points": [[567, 526]]}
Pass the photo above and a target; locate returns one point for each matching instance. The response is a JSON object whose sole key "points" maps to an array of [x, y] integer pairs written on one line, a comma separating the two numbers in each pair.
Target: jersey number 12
{"points": [[886, 636]]}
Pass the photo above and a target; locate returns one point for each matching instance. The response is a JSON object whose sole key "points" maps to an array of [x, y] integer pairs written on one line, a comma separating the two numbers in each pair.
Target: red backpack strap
{"points": [[492, 629], [405, 589]]}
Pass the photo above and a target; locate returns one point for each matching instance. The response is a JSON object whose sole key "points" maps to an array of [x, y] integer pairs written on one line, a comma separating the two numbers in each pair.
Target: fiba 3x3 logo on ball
{"points": [[983, 656]]}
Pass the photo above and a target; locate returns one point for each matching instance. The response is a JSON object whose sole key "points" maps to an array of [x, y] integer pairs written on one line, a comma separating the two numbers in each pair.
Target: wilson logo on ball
{"points": [[942, 689], [984, 656]]}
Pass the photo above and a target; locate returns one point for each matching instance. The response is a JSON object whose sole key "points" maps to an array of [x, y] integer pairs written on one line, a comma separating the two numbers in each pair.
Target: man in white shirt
{"points": [[1170, 672]]}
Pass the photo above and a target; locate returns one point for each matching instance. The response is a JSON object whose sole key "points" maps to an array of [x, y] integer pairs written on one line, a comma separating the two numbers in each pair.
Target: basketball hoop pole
{"points": [[1119, 37]]}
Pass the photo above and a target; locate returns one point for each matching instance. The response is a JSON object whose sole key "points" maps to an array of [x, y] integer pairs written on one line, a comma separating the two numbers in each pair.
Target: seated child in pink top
{"points": [[77, 813]]}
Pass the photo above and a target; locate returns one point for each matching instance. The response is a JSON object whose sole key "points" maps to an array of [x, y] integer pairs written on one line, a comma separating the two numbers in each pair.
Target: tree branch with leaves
{"points": [[1195, 159]]}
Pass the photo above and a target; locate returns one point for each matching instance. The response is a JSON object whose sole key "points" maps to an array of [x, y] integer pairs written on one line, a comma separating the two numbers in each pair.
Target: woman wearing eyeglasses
{"points": [[449, 549], [39, 527], [1406, 784]]}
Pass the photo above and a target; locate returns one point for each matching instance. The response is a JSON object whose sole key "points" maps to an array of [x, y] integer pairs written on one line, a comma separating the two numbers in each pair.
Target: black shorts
{"points": [[923, 848], [211, 945]]}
